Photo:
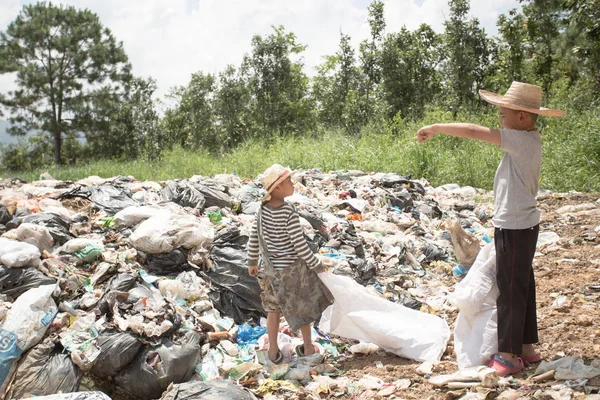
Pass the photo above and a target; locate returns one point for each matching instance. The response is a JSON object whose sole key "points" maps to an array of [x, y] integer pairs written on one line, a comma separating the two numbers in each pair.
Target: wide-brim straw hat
{"points": [[523, 97], [272, 177]]}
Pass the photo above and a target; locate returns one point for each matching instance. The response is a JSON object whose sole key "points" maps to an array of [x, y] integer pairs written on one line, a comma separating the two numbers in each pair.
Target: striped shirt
{"points": [[283, 235]]}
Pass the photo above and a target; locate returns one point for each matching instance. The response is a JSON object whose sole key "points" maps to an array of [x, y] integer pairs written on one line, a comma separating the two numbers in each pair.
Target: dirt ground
{"points": [[570, 269]]}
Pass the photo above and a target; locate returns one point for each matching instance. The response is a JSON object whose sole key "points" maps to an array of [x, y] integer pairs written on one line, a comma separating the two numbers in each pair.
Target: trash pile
{"points": [[128, 289]]}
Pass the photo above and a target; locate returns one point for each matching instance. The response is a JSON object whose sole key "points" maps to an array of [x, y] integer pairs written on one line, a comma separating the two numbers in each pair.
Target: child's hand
{"points": [[253, 270], [424, 134]]}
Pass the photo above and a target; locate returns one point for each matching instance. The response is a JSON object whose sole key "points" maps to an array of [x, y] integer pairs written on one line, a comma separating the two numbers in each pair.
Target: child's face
{"points": [[285, 188], [509, 119], [514, 119]]}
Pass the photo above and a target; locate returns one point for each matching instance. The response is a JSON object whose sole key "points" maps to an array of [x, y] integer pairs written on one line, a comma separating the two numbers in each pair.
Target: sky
{"points": [[171, 39]]}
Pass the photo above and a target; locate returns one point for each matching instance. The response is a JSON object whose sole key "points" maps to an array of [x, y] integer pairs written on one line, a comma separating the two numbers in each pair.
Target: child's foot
{"points": [[277, 358], [504, 367], [303, 353], [531, 358], [529, 355]]}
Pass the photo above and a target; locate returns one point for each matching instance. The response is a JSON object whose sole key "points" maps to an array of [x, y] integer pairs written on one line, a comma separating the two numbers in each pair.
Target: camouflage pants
{"points": [[296, 292]]}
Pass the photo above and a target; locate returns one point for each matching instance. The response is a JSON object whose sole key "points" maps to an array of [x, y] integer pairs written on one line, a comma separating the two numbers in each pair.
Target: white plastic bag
{"points": [[18, 254], [133, 215], [25, 325], [37, 235], [360, 315], [475, 332], [167, 232]]}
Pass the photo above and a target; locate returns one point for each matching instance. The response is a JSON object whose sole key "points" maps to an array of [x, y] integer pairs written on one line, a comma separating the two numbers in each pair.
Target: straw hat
{"points": [[272, 177], [523, 97]]}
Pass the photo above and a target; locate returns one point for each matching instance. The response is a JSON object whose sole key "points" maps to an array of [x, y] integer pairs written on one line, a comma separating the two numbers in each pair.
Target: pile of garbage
{"points": [[130, 289]]}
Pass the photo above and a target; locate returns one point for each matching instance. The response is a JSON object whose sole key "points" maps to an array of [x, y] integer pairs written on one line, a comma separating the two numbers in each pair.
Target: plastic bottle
{"points": [[459, 271]]}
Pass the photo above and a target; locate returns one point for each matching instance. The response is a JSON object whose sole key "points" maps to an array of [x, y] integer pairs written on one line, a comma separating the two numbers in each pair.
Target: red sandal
{"points": [[533, 359], [504, 367]]}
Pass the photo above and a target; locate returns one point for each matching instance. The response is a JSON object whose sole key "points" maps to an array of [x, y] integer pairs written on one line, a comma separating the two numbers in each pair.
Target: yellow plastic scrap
{"points": [[270, 386]]}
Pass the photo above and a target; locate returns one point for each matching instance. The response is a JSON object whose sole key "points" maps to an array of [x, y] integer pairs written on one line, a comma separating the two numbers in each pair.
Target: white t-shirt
{"points": [[517, 180]]}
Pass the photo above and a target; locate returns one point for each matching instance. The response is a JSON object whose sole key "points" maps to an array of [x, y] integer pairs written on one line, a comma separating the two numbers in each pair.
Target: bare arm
{"points": [[470, 131]]}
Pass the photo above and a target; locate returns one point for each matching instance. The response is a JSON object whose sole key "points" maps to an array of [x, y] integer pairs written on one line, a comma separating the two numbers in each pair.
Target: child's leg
{"points": [[307, 338], [514, 255], [272, 332], [530, 331]]}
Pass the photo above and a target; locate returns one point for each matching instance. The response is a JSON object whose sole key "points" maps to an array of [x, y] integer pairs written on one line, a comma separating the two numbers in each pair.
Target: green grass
{"points": [[571, 155]]}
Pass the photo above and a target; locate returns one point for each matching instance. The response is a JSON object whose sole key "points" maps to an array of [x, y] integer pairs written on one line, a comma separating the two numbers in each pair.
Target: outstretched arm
{"points": [[470, 131]]}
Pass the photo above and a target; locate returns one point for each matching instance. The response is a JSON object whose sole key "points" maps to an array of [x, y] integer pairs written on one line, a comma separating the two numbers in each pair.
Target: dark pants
{"points": [[517, 319]]}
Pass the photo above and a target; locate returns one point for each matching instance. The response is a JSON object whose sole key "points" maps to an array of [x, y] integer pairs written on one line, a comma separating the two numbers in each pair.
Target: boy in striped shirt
{"points": [[289, 281]]}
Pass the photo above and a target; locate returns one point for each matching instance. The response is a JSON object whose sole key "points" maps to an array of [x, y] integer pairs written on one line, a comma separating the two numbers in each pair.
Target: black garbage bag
{"points": [[433, 252], [235, 293], [5, 216], [16, 281], [58, 227], [111, 199], [211, 390], [400, 199], [155, 368], [364, 271], [317, 223], [118, 350], [120, 283], [183, 194], [168, 264], [213, 196], [46, 369], [396, 180], [347, 235], [431, 209], [250, 200]]}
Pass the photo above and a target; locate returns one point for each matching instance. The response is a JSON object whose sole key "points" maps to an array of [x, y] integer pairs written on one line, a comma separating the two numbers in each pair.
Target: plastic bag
{"points": [[183, 194], [75, 396], [234, 292], [168, 263], [33, 234], [360, 315], [5, 215], [166, 232], [16, 281], [18, 254], [24, 326], [58, 227], [248, 334], [211, 390], [118, 349], [466, 246], [132, 216], [475, 331], [111, 199], [45, 370], [213, 196], [155, 368]]}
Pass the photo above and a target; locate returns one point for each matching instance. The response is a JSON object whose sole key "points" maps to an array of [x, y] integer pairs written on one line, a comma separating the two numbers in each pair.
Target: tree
{"points": [[512, 48], [63, 59], [232, 107], [337, 77], [278, 86], [584, 18], [134, 118], [469, 51], [370, 54], [544, 22], [409, 76], [192, 123]]}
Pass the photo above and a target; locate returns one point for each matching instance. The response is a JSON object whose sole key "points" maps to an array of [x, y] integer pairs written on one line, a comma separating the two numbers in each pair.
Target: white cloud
{"points": [[170, 40]]}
